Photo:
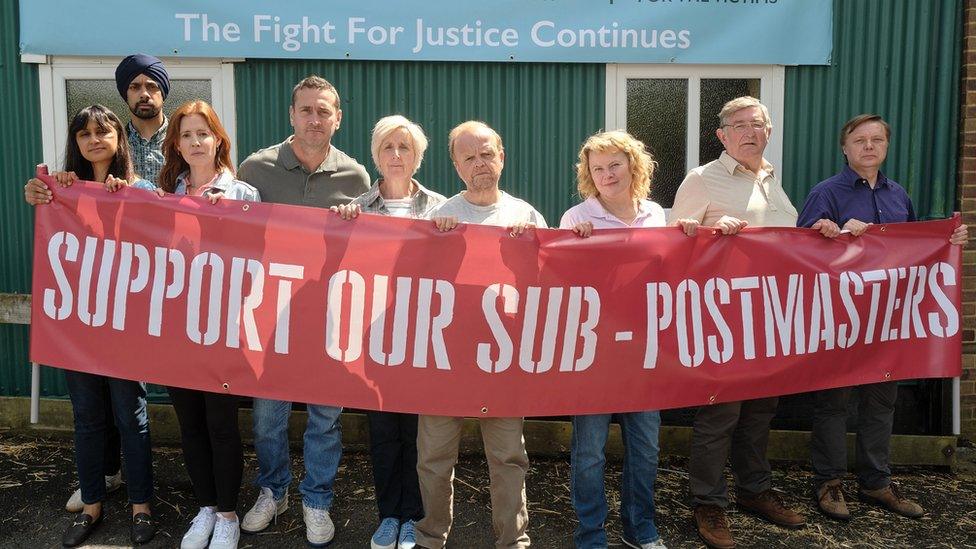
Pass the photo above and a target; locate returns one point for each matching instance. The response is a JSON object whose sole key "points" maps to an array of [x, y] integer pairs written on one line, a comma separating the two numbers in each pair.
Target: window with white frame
{"points": [[674, 111], [69, 83]]}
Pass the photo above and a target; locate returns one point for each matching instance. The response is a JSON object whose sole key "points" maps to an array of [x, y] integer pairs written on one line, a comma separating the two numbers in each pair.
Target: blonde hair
{"points": [[473, 126], [642, 164], [737, 105], [386, 126]]}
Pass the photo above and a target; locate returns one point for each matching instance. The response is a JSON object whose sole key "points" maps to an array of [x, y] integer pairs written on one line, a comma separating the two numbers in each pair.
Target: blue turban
{"points": [[137, 64]]}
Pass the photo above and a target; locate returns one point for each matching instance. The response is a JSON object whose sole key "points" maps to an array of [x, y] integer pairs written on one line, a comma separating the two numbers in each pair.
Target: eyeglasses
{"points": [[743, 127]]}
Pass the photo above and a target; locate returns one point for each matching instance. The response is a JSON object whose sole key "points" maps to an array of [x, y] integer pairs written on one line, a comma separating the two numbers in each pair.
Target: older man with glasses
{"points": [[740, 188]]}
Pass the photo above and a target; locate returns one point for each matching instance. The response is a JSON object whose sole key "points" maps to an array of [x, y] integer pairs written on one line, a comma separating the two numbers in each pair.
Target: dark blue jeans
{"points": [[639, 431], [90, 402]]}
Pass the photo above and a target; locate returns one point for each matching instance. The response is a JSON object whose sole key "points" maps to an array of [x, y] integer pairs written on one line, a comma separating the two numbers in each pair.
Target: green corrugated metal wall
{"points": [[542, 111], [899, 58], [20, 150], [896, 58]]}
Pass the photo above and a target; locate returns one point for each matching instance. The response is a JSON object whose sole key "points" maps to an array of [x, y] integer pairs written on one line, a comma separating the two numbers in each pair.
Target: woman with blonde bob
{"points": [[398, 147], [197, 163], [613, 177]]}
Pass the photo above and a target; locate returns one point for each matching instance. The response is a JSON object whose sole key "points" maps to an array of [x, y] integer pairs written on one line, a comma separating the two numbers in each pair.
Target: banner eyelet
{"points": [[484, 410], [711, 399], [226, 386], [246, 207], [887, 375]]}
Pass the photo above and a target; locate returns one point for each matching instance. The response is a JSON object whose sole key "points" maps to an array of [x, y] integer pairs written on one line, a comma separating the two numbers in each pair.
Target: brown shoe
{"points": [[890, 498], [770, 506], [830, 499], [713, 527]]}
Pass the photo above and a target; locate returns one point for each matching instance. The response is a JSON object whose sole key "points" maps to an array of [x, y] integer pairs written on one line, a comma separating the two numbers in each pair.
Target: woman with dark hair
{"points": [[197, 153], [98, 151]]}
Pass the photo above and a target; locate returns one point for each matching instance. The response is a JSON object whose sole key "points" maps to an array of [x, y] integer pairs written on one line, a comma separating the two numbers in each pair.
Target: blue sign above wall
{"points": [[781, 32]]}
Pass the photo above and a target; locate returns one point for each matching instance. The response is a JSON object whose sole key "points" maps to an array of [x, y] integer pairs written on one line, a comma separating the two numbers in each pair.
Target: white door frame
{"points": [[772, 80], [54, 71]]}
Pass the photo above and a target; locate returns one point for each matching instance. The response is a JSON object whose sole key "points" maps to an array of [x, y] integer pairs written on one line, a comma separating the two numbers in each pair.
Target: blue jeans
{"points": [[92, 396], [323, 449], [640, 437]]}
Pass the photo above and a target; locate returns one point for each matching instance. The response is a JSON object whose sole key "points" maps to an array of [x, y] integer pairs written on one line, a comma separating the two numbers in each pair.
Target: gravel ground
{"points": [[36, 476]]}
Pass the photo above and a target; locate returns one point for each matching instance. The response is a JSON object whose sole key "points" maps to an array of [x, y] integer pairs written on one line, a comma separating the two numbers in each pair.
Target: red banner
{"points": [[296, 304]]}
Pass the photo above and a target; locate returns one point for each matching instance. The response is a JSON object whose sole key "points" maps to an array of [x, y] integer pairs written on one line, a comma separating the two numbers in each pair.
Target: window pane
{"points": [[81, 93], [715, 92], [657, 114]]}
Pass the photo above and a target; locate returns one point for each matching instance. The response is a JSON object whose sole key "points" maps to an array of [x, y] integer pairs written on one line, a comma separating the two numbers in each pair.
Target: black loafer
{"points": [[81, 527], [143, 528]]}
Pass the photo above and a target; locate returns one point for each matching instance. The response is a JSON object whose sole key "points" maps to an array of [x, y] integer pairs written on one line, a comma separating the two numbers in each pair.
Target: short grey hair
{"points": [[389, 124], [737, 105]]}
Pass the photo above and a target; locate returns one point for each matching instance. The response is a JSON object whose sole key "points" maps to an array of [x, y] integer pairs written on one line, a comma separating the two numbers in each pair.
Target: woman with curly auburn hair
{"points": [[613, 177]]}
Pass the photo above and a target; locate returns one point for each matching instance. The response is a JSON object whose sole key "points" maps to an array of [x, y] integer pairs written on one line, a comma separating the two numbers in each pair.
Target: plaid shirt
{"points": [[422, 203], [147, 154]]}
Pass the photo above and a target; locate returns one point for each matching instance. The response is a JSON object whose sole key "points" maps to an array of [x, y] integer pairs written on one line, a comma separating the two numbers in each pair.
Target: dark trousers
{"points": [[93, 397], [875, 417], [212, 446], [113, 443], [739, 428], [393, 449]]}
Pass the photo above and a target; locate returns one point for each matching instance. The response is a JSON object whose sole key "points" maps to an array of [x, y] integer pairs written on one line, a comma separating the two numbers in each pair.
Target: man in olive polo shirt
{"points": [[305, 170]]}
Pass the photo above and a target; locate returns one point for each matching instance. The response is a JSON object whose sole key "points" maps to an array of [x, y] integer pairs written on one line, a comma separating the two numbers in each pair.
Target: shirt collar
{"points": [[288, 160], [853, 178], [593, 208], [160, 133], [372, 196], [730, 164], [221, 184]]}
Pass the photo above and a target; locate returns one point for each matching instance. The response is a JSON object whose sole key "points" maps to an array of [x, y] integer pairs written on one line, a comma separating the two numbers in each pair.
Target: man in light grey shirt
{"points": [[507, 211], [478, 157]]}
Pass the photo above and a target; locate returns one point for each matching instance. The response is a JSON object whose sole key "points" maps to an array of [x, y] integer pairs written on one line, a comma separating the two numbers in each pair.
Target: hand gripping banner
{"points": [[296, 304]]}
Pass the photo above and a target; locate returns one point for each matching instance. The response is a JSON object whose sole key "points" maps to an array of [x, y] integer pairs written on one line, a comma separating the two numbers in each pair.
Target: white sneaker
{"points": [[75, 505], [656, 544], [226, 534], [197, 536], [319, 529], [264, 511]]}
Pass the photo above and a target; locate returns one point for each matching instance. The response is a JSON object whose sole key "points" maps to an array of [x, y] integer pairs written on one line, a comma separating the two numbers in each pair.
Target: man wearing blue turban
{"points": [[143, 83]]}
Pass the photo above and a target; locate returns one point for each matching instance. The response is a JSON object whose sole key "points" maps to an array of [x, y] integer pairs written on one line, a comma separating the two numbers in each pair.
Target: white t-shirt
{"points": [[398, 207], [506, 212]]}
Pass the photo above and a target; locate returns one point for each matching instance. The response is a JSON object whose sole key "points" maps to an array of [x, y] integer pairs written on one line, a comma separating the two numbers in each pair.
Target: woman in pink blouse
{"points": [[614, 177]]}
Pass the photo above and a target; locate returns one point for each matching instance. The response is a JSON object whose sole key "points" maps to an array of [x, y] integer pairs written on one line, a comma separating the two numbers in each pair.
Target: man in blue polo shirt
{"points": [[854, 199]]}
